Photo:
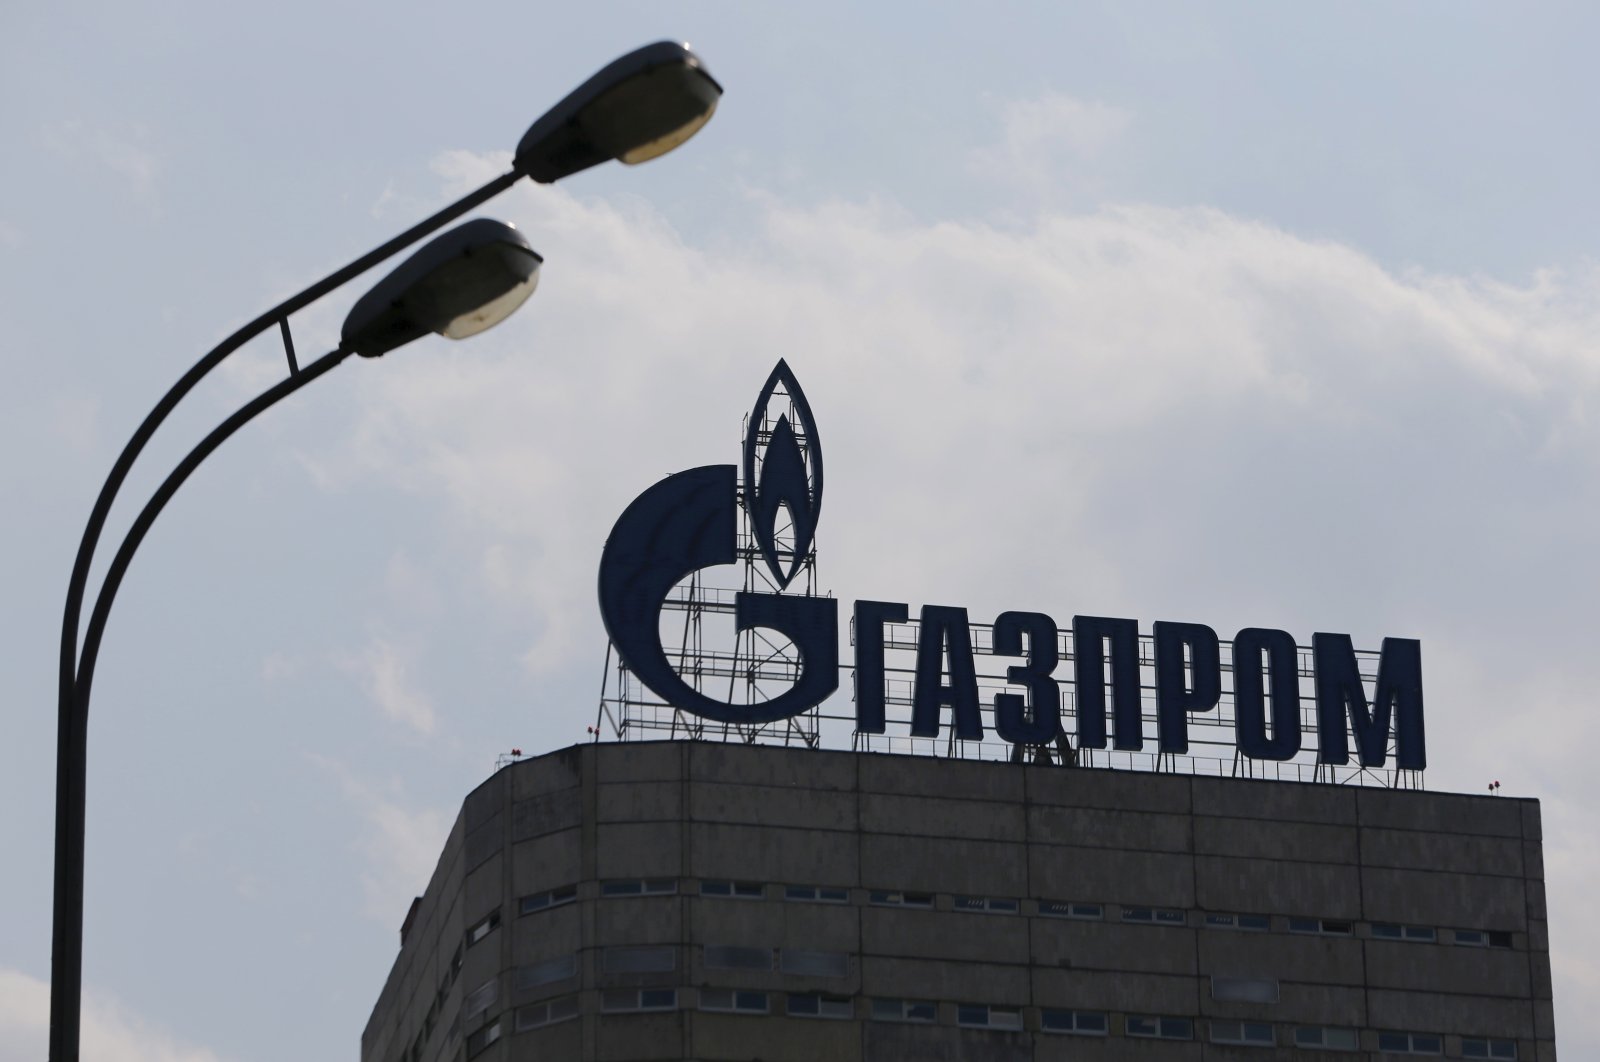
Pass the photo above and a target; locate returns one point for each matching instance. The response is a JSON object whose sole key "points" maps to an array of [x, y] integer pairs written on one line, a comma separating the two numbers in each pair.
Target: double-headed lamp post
{"points": [[640, 106]]}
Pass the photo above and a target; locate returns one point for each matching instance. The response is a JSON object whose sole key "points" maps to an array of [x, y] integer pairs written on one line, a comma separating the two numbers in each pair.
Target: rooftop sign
{"points": [[690, 521]]}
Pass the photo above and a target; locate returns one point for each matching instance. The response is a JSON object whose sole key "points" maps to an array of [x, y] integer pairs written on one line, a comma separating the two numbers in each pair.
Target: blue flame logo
{"points": [[689, 521], [783, 482]]}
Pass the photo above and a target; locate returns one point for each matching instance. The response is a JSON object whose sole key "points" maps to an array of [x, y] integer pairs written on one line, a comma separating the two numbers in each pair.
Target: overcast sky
{"points": [[1234, 314]]}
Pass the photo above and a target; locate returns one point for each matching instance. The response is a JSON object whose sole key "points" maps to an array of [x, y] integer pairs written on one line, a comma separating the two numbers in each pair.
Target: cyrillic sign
{"points": [[689, 521]]}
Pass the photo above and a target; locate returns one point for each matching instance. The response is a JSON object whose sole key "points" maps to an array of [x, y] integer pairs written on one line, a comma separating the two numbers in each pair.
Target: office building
{"points": [[721, 901]]}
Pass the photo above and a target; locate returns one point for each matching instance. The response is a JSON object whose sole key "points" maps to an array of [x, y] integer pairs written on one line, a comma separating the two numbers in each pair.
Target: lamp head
{"points": [[458, 284], [640, 106]]}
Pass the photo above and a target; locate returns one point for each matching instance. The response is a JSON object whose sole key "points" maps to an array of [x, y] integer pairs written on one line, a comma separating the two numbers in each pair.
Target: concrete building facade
{"points": [[696, 900]]}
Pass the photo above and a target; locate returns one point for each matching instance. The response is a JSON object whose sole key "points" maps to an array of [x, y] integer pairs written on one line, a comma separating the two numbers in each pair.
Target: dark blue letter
{"points": [[1249, 708], [870, 616], [1089, 674], [1175, 698], [1399, 689], [945, 628], [1043, 723]]}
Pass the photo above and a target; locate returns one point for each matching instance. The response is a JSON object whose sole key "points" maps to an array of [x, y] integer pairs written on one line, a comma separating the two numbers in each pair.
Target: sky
{"points": [[1241, 314]]}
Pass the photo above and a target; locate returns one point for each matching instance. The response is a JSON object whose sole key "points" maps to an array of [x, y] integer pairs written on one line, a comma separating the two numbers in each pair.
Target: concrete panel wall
{"points": [[771, 817]]}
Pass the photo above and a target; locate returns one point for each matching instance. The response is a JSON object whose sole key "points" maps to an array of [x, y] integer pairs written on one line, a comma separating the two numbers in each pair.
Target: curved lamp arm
{"points": [[130, 452], [72, 744], [640, 106], [460, 283], [158, 501]]}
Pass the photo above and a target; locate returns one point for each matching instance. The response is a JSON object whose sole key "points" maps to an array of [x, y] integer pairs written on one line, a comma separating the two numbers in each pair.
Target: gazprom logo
{"points": [[689, 521]]}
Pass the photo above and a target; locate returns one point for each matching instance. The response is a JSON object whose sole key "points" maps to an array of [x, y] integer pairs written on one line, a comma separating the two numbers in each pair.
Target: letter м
{"points": [[1399, 693]]}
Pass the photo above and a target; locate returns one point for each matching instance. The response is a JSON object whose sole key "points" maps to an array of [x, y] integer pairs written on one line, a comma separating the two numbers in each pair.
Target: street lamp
{"points": [[638, 107], [463, 282]]}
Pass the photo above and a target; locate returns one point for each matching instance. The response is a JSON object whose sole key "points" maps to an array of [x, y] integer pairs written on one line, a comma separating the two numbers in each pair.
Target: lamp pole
{"points": [[640, 106]]}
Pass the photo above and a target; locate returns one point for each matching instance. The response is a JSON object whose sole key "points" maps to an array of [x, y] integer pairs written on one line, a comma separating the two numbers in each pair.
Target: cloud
{"points": [[386, 679], [1133, 410], [119, 152], [110, 1031], [1051, 142], [400, 845]]}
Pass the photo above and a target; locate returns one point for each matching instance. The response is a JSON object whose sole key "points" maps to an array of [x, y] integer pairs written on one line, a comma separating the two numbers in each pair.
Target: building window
{"points": [[481, 929], [736, 1001], [535, 1015], [545, 973], [1244, 989], [914, 1010], [553, 898], [480, 999], [901, 899], [1161, 915], [983, 1016], [618, 1000], [1091, 912], [816, 894], [483, 1038], [727, 957], [816, 1005], [1076, 1022], [1327, 927], [1252, 923], [660, 959], [1250, 1033], [1409, 1043], [990, 904], [1327, 1038], [1478, 1047], [814, 963], [1151, 1026], [1481, 938], [738, 890], [639, 887], [1390, 931]]}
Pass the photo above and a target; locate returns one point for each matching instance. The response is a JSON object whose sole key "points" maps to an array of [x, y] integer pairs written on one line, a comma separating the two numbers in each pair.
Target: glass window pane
{"points": [[802, 1005], [728, 957], [640, 960], [815, 963]]}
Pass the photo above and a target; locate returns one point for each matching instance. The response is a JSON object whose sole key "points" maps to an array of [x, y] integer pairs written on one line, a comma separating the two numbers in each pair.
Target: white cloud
{"points": [[1163, 413], [1051, 142], [400, 845], [110, 1032], [386, 679], [120, 152]]}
